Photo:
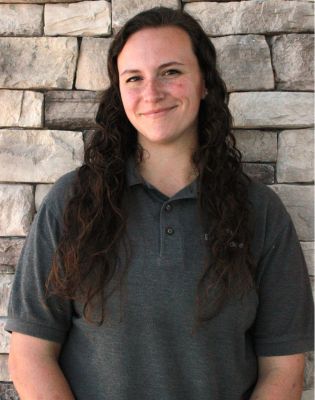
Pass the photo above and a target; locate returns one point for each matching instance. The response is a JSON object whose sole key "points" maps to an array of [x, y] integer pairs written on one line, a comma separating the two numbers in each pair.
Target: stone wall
{"points": [[52, 72]]}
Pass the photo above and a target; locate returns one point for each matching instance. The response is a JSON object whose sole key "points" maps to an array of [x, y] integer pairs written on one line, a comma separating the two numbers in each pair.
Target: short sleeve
{"points": [[31, 311], [284, 322]]}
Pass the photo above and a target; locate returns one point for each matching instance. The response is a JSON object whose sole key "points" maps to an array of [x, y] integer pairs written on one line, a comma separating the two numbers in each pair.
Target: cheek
{"points": [[129, 99]]}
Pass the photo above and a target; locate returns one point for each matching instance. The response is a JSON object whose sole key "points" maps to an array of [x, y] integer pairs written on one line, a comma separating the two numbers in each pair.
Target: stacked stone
{"points": [[53, 70]]}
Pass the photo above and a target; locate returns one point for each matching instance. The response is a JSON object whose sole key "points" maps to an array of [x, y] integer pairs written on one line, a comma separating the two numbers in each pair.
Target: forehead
{"points": [[152, 45]]}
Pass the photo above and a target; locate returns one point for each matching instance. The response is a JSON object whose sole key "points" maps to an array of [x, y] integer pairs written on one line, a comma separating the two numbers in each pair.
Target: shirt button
{"points": [[169, 230], [168, 207]]}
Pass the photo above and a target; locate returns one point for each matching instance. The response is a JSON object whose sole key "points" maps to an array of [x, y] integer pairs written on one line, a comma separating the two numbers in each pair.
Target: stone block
{"points": [[4, 338], [264, 173], [244, 62], [244, 17], [257, 145], [296, 156], [87, 18], [308, 251], [16, 209], [42, 62], [123, 10], [309, 370], [293, 61], [71, 109], [40, 192], [91, 70], [38, 155], [38, 1], [6, 281], [21, 108], [7, 391], [272, 109], [10, 250], [299, 201], [308, 394], [4, 371], [21, 20]]}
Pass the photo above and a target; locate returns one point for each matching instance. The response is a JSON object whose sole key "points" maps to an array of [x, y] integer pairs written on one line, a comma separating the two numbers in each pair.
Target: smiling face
{"points": [[161, 86]]}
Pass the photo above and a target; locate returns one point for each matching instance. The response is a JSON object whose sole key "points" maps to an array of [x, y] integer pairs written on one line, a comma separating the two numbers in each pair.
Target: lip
{"points": [[158, 112]]}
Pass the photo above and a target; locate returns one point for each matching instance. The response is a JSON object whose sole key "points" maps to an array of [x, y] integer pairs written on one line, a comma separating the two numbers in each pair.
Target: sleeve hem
{"points": [[285, 348]]}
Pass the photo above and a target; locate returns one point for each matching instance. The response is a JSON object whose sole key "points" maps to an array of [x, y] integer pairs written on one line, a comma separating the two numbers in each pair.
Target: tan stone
{"points": [[38, 156], [239, 17], [10, 250], [21, 20], [6, 281], [92, 71], [299, 201], [21, 108], [37, 62], [308, 251], [86, 18], [293, 61], [4, 371], [123, 10], [4, 338], [38, 1], [257, 145], [40, 192], [16, 209], [244, 62], [296, 156], [263, 173], [272, 109], [71, 109]]}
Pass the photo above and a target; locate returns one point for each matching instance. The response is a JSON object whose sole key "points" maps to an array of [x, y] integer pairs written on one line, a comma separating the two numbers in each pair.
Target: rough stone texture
{"points": [[272, 109], [10, 250], [7, 391], [308, 250], [273, 16], [4, 372], [244, 62], [4, 338], [299, 201], [52, 59], [123, 10], [296, 156], [91, 70], [71, 109], [16, 209], [293, 61], [38, 1], [257, 145], [21, 108], [309, 370], [263, 173], [40, 193], [21, 20], [6, 281], [38, 156], [86, 18]]}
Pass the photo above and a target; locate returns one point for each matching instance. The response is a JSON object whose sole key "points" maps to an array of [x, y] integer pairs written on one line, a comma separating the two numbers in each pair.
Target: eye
{"points": [[133, 79], [171, 72]]}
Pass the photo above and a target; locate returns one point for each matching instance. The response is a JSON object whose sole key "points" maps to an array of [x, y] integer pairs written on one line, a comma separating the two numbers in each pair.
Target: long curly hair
{"points": [[87, 266]]}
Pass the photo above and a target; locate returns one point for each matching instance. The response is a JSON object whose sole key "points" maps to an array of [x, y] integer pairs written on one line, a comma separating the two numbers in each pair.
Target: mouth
{"points": [[158, 112]]}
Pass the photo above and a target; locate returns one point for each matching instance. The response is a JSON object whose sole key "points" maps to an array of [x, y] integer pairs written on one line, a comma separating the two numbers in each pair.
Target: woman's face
{"points": [[161, 86]]}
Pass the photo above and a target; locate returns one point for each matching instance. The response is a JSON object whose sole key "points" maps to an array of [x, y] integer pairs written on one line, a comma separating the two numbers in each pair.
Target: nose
{"points": [[153, 91]]}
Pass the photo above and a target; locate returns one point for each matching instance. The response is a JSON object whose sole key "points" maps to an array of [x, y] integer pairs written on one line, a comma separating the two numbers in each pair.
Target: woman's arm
{"points": [[34, 369], [280, 378]]}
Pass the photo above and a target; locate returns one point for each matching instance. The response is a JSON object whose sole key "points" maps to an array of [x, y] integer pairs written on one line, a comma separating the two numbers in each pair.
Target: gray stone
{"points": [[10, 250], [86, 18], [91, 70], [7, 391], [40, 192], [308, 251], [71, 109], [21, 108], [296, 156], [257, 145], [21, 20], [42, 62], [243, 17], [16, 209], [293, 61], [123, 10], [308, 395], [263, 173], [38, 156], [4, 338], [6, 281], [309, 370], [299, 201], [38, 1], [244, 62], [272, 109], [4, 371]]}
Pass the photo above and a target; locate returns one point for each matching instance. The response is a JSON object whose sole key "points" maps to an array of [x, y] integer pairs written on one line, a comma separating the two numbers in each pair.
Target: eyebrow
{"points": [[165, 65]]}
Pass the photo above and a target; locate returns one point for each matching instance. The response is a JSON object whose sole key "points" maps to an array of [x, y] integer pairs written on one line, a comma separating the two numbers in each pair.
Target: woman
{"points": [[158, 270]]}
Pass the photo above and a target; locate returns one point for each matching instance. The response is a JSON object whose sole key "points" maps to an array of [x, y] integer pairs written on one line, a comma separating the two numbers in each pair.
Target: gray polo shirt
{"points": [[152, 353]]}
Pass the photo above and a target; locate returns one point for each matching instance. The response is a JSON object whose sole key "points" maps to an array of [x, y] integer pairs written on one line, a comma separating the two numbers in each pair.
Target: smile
{"points": [[157, 113]]}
